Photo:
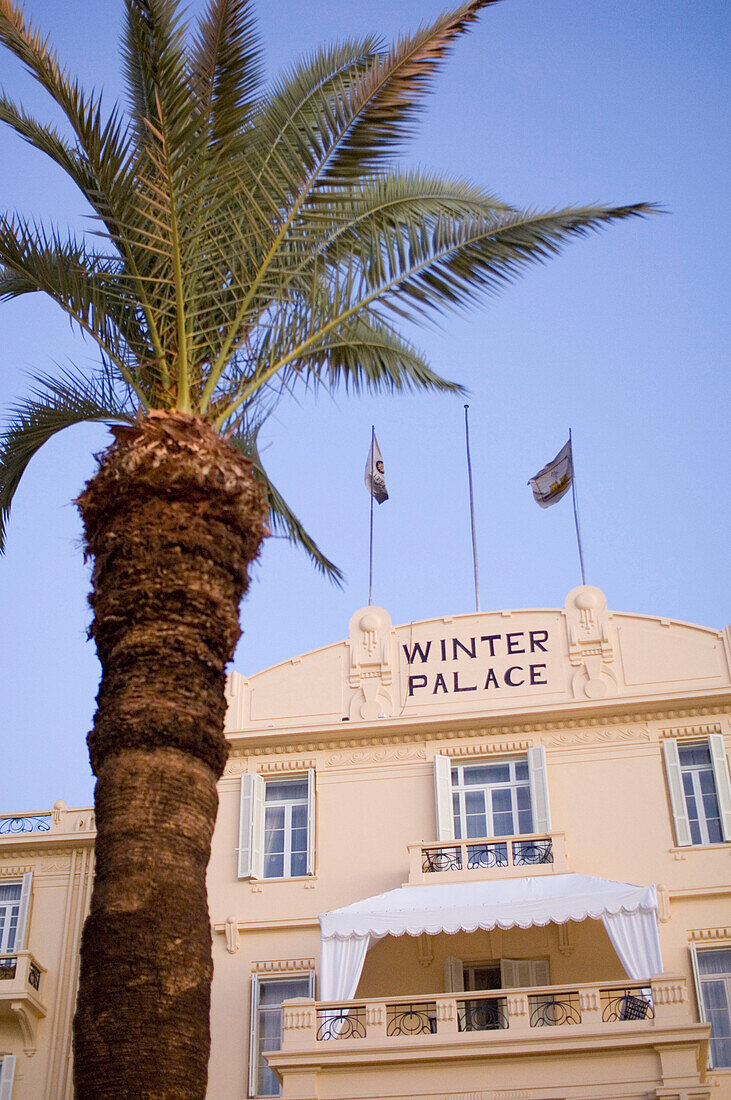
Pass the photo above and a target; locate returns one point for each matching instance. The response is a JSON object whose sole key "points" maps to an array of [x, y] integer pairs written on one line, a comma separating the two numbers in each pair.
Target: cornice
{"points": [[45, 843], [439, 728]]}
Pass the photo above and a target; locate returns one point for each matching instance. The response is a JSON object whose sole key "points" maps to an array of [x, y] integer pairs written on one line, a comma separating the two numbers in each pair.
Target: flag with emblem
{"points": [[554, 480], [375, 479]]}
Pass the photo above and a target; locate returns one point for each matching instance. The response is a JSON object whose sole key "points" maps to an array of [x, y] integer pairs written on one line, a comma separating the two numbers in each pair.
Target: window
{"points": [[491, 799], [14, 904], [276, 835], [700, 791], [507, 796], [713, 976], [7, 1073], [462, 977], [267, 995]]}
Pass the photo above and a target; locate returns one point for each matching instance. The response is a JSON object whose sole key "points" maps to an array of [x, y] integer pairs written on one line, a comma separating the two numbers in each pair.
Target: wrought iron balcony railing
{"points": [[540, 852], [663, 1000]]}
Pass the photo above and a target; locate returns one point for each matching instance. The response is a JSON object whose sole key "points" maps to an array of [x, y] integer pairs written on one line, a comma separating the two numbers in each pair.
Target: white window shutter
{"points": [[22, 926], [254, 1035], [540, 975], [521, 973], [311, 990], [539, 789], [510, 974], [7, 1073], [723, 785], [443, 796], [310, 821], [677, 794], [453, 975], [251, 826]]}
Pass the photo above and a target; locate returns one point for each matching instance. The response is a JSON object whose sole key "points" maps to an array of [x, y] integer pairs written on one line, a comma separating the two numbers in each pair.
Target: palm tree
{"points": [[247, 240]]}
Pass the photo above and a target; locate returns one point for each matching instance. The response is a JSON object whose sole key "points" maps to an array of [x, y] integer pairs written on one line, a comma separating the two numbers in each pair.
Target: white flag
{"points": [[554, 480], [375, 480]]}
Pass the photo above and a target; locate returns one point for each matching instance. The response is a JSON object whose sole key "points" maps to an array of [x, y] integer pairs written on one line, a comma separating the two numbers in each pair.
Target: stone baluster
{"points": [[447, 1016], [299, 1022], [375, 1019], [518, 1012], [590, 1007], [670, 998]]}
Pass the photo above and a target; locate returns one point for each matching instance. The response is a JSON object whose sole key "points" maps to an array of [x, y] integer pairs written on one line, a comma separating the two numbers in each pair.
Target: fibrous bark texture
{"points": [[172, 519]]}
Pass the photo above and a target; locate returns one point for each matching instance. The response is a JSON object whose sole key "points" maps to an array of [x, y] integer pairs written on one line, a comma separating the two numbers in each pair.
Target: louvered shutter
{"points": [[254, 1034], [251, 826], [310, 821], [7, 1074], [523, 973], [539, 789], [453, 975], [677, 794], [443, 797], [22, 926], [723, 785]]}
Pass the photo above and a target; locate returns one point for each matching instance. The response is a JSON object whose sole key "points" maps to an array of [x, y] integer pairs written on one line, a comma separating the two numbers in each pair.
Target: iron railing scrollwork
{"points": [[34, 976], [412, 1019], [529, 852], [487, 855], [626, 1004], [349, 1024], [8, 968], [33, 823], [547, 1011], [483, 1014], [441, 859]]}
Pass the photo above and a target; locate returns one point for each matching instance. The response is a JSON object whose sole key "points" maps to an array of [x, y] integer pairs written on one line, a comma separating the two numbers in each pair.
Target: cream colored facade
{"points": [[474, 764]]}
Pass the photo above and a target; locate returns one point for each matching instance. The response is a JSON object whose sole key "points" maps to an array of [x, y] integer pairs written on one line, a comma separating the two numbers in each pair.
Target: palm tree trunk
{"points": [[172, 519]]}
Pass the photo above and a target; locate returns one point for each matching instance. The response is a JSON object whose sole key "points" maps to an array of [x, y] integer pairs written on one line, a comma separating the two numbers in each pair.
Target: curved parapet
{"points": [[494, 662]]}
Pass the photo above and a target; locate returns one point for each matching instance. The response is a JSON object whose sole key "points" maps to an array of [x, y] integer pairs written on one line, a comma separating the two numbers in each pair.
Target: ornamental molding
{"points": [[318, 740], [281, 966], [484, 748], [19, 869], [48, 866], [376, 756], [692, 731], [598, 737], [710, 933], [273, 766]]}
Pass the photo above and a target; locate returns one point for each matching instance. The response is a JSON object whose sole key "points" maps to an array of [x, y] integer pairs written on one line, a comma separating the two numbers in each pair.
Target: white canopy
{"points": [[628, 913]]}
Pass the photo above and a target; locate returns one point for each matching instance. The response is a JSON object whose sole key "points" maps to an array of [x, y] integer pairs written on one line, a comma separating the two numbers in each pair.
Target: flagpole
{"points": [[576, 513], [370, 556], [472, 507]]}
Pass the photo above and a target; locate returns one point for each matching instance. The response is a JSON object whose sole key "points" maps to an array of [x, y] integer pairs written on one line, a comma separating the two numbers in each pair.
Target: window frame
{"points": [[698, 978], [7, 1076], [461, 789], [25, 882], [674, 773], [252, 812], [255, 1007], [537, 780]]}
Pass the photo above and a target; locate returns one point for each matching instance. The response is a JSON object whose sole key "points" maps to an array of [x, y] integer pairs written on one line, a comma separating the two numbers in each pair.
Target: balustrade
{"points": [[523, 1012], [541, 852]]}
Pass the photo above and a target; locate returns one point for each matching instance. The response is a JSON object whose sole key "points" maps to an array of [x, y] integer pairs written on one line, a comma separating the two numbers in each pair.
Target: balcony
{"points": [[449, 1042], [487, 857], [21, 988]]}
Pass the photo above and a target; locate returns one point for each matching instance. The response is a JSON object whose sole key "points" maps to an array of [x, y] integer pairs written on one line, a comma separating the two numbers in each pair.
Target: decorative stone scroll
{"points": [[590, 648], [371, 666]]}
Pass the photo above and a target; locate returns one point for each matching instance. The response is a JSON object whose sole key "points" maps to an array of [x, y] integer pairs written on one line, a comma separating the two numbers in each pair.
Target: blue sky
{"points": [[623, 338]]}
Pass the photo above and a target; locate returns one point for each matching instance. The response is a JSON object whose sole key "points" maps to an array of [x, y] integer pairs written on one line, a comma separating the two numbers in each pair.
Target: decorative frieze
{"points": [[603, 736], [386, 755], [272, 767]]}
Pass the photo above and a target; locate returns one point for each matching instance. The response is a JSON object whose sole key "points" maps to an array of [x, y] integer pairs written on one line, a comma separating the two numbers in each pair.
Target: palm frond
{"points": [[226, 67], [54, 404]]}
